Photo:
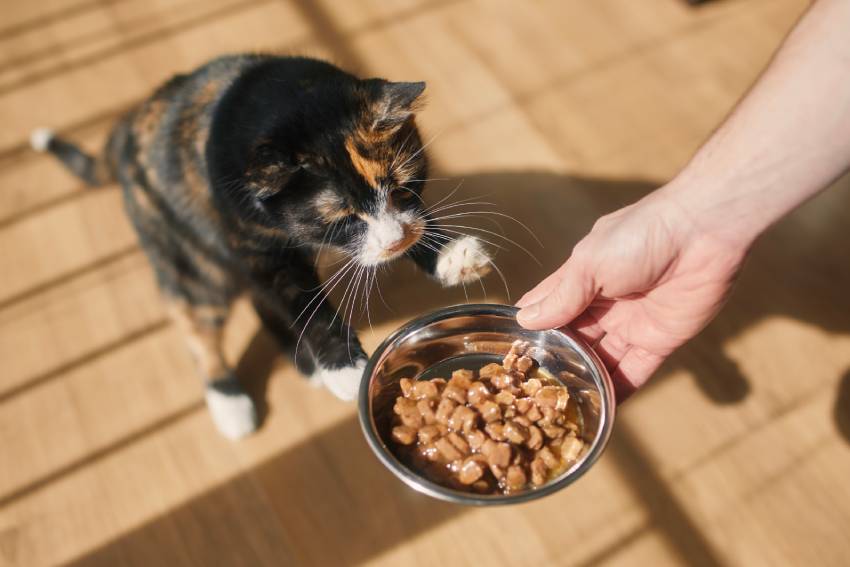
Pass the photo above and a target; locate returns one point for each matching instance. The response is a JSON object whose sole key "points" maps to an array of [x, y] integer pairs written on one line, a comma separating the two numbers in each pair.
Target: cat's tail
{"points": [[93, 170]]}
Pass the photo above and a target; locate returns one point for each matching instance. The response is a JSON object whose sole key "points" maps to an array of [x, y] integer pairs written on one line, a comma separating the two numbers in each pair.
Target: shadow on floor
{"points": [[791, 273], [338, 504], [340, 507], [842, 408]]}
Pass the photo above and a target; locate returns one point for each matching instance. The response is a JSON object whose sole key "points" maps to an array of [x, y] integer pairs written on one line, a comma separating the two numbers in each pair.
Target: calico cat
{"points": [[236, 174]]}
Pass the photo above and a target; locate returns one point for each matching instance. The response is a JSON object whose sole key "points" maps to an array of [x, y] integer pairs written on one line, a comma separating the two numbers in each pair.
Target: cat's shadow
{"points": [[560, 209]]}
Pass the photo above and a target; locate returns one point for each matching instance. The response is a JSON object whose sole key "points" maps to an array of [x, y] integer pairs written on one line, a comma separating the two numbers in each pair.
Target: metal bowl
{"points": [[469, 336]]}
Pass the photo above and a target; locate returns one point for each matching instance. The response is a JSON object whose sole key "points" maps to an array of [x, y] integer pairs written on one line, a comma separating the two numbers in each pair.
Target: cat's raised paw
{"points": [[232, 410], [461, 261], [342, 382]]}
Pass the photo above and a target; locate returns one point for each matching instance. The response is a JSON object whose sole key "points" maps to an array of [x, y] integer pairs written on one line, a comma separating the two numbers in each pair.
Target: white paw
{"points": [[233, 413], [40, 139], [461, 261], [343, 383]]}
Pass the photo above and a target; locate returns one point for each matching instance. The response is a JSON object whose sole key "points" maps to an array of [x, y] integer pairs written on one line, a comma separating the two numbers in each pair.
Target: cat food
{"points": [[504, 428]]}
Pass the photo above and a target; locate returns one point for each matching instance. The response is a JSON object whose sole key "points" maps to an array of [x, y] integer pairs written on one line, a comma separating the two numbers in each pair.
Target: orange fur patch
{"points": [[202, 327], [371, 170]]}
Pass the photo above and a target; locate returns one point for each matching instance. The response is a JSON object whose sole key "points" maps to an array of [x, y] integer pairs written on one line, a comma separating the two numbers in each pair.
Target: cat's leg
{"points": [[232, 410], [191, 276], [197, 296], [301, 310], [453, 261]]}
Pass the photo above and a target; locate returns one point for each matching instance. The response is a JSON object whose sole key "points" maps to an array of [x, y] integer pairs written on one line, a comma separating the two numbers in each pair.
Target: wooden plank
{"points": [[558, 111]]}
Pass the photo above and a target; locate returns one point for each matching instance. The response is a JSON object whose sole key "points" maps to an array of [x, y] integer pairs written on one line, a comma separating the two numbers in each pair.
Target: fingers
{"points": [[630, 366], [569, 297], [638, 365], [588, 328]]}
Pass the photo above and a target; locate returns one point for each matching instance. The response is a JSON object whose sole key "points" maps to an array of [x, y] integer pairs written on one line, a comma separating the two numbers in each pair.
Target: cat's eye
{"points": [[402, 193], [313, 164], [338, 215]]}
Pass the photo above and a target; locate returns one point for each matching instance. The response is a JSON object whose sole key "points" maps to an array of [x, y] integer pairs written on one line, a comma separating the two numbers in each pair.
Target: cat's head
{"points": [[345, 169]]}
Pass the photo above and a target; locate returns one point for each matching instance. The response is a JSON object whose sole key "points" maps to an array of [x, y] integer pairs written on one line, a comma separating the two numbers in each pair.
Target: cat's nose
{"points": [[402, 242], [389, 233], [386, 238]]}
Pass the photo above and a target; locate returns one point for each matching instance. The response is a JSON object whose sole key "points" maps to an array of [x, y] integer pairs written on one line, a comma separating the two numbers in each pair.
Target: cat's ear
{"points": [[393, 103], [268, 171]]}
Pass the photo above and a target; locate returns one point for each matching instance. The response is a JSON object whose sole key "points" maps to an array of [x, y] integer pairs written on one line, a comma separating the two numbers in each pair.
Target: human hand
{"points": [[646, 279]]}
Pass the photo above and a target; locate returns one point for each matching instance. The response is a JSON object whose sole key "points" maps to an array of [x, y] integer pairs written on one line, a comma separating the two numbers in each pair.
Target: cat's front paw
{"points": [[232, 410], [461, 261], [344, 383]]}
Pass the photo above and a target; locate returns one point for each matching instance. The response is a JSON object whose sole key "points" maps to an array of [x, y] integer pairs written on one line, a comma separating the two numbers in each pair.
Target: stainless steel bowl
{"points": [[468, 336]]}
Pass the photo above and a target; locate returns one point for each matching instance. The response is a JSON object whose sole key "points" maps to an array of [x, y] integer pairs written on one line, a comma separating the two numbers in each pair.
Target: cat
{"points": [[235, 175]]}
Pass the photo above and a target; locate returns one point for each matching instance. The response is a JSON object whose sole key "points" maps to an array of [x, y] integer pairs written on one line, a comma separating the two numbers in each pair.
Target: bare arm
{"points": [[650, 276], [788, 139]]}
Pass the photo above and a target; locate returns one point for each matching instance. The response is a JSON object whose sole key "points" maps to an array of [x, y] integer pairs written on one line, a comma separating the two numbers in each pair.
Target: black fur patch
{"points": [[222, 170], [228, 385]]}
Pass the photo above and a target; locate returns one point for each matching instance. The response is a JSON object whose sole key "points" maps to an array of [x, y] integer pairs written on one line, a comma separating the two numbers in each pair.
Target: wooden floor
{"points": [[737, 453]]}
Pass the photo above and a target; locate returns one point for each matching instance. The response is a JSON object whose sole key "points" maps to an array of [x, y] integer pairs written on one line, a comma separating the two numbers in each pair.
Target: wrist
{"points": [[721, 210]]}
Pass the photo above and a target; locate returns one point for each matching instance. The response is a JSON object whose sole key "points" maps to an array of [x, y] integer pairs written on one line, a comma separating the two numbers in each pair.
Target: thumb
{"points": [[541, 290], [573, 293]]}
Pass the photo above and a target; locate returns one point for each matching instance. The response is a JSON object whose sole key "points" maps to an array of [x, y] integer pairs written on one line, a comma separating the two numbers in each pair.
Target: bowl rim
{"points": [[423, 485]]}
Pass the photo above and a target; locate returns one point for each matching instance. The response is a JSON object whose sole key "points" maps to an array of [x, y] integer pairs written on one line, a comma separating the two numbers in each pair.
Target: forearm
{"points": [[788, 139]]}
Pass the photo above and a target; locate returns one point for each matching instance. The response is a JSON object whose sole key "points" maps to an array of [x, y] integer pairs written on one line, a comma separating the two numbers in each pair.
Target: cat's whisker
{"points": [[360, 280], [327, 282], [500, 214], [481, 214], [343, 305], [331, 232], [434, 238], [336, 227], [428, 179], [322, 243], [324, 297], [496, 224], [465, 294], [343, 318], [352, 299], [447, 197], [371, 283], [401, 147], [380, 293], [429, 246], [419, 151], [430, 237], [458, 205], [460, 233], [484, 230], [337, 262], [504, 281], [351, 313], [343, 300], [440, 206], [322, 290]]}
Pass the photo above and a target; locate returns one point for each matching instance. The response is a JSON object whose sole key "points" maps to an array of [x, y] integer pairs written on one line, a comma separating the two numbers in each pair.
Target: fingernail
{"points": [[529, 313]]}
